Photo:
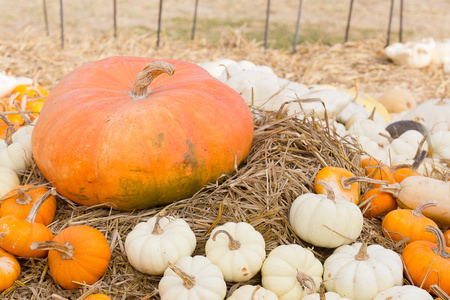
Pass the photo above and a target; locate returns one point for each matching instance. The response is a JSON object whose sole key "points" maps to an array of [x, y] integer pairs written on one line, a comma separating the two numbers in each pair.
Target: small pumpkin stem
{"points": [[65, 250], [147, 75], [393, 189], [328, 190], [304, 278], [422, 206], [419, 157], [347, 182], [372, 114], [23, 198], [254, 292], [439, 292], [188, 280], [441, 248], [233, 244], [37, 205], [157, 230], [362, 253], [2, 234], [322, 291]]}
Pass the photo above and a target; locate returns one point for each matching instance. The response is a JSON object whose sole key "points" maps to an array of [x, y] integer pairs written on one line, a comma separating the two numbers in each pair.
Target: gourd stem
{"points": [[157, 230], [34, 84], [304, 278], [422, 206], [347, 182], [329, 191], [23, 198], [65, 250], [37, 205], [439, 292], [322, 291], [147, 75], [393, 189], [188, 280], [441, 248], [254, 292], [362, 253], [233, 244]]}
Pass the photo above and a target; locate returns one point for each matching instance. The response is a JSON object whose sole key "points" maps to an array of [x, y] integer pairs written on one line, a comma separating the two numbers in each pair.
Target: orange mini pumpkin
{"points": [[9, 270], [121, 132], [406, 223], [98, 297], [16, 234], [380, 203], [78, 253], [19, 202], [428, 263]]}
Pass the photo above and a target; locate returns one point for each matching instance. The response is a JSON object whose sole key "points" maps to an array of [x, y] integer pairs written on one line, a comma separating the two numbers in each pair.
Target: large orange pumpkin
{"points": [[101, 139]]}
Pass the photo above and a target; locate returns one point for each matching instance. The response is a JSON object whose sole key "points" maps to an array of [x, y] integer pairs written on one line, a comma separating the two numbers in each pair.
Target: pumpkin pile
{"points": [[290, 190]]}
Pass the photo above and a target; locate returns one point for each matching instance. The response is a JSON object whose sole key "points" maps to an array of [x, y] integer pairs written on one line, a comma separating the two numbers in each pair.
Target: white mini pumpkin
{"points": [[150, 245], [360, 272], [252, 292], [8, 181], [404, 292], [325, 222], [192, 278], [17, 155], [291, 272], [324, 295], [237, 249]]}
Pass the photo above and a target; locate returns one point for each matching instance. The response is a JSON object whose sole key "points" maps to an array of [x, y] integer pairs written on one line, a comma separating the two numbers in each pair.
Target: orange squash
{"points": [[19, 202], [29, 98], [428, 263], [381, 203], [406, 223], [98, 297], [103, 140], [344, 183], [9, 270], [16, 234], [77, 254]]}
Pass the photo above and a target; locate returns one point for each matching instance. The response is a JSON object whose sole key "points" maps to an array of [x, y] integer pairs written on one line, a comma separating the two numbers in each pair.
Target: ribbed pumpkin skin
{"points": [[99, 146], [90, 259]]}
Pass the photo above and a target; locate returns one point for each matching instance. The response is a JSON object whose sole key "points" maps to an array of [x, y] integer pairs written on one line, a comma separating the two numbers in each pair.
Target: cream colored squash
{"points": [[405, 147], [324, 221], [404, 292], [413, 54], [360, 272], [8, 181], [151, 244], [397, 100], [252, 292], [192, 278], [8, 83], [440, 142], [291, 272], [433, 113], [17, 155], [237, 249]]}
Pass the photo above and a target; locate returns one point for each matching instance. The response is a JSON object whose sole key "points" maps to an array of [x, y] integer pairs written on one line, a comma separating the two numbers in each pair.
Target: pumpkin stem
{"points": [[347, 182], [439, 292], [188, 280], [147, 75], [2, 234], [23, 198], [422, 206], [362, 253], [304, 278], [34, 84], [393, 189], [233, 244], [441, 248], [37, 205], [157, 230], [322, 291], [328, 190], [254, 292], [65, 250]]}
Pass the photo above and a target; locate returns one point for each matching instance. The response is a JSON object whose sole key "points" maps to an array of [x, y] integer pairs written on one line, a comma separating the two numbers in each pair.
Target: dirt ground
{"points": [[320, 19]]}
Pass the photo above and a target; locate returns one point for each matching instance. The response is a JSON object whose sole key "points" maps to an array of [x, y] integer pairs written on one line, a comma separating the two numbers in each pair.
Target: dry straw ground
{"points": [[286, 152]]}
